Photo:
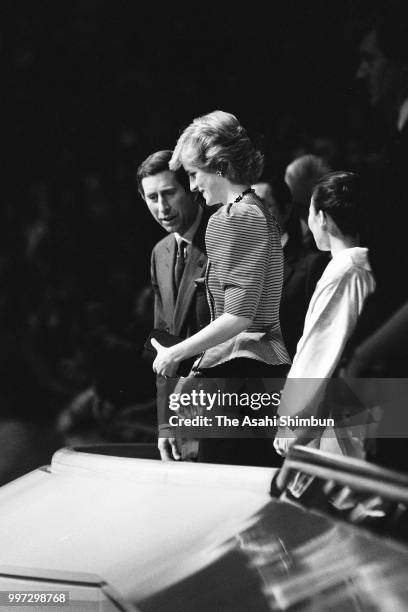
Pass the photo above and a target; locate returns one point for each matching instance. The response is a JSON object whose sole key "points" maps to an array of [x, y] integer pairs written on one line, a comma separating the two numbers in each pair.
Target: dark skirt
{"points": [[257, 449]]}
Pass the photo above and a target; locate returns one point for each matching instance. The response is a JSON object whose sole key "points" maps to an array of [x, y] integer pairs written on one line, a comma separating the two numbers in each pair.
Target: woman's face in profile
{"points": [[212, 186]]}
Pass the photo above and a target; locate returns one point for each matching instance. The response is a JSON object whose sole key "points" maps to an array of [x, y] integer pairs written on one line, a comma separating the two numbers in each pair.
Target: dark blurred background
{"points": [[90, 88]]}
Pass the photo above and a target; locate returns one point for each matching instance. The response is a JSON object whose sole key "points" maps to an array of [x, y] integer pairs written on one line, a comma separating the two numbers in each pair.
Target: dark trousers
{"points": [[256, 450]]}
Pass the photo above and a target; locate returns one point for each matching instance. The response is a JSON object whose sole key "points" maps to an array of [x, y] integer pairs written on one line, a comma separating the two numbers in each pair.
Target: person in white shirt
{"points": [[336, 303]]}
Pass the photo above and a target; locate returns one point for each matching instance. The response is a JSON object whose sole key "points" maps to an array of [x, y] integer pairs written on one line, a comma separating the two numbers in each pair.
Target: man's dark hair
{"points": [[391, 27], [339, 195], [159, 162]]}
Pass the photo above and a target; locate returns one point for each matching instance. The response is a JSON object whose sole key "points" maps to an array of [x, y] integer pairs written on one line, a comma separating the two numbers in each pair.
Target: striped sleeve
{"points": [[240, 258]]}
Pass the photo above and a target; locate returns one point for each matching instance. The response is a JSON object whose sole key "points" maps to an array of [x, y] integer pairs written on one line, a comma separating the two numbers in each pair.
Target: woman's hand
{"points": [[283, 441], [166, 362]]}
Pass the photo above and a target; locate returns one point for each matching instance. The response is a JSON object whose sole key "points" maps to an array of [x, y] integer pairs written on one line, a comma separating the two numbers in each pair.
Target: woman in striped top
{"points": [[245, 260]]}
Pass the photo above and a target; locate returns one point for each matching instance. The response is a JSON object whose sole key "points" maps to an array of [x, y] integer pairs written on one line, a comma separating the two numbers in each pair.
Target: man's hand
{"points": [[168, 449], [165, 363]]}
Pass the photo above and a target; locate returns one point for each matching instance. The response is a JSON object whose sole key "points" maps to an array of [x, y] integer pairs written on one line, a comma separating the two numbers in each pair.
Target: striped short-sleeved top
{"points": [[244, 277]]}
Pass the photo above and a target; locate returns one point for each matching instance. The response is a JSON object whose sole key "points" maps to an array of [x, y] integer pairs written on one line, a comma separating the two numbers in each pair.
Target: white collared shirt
{"points": [[331, 318]]}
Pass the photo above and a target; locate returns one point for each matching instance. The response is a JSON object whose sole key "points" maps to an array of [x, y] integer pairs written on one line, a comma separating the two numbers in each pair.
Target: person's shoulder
{"points": [[247, 210], [352, 260], [252, 205], [163, 244]]}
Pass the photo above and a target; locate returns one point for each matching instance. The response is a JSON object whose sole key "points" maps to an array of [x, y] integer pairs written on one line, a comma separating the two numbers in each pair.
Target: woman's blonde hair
{"points": [[217, 142]]}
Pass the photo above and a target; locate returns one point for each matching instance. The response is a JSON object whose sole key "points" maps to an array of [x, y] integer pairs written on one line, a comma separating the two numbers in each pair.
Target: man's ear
{"points": [[332, 227]]}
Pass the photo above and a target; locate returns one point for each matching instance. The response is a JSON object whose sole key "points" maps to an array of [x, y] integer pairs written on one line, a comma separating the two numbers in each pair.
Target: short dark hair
{"points": [[339, 195], [159, 162], [390, 25], [392, 35]]}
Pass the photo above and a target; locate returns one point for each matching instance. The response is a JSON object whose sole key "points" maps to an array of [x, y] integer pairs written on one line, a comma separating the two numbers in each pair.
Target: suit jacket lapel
{"points": [[166, 276], [195, 267]]}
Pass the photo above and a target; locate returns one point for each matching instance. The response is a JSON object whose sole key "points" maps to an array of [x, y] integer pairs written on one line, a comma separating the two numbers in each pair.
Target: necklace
{"points": [[244, 193]]}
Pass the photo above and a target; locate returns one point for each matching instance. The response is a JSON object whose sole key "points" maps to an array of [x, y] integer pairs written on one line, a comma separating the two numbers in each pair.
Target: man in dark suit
{"points": [[383, 67], [178, 261]]}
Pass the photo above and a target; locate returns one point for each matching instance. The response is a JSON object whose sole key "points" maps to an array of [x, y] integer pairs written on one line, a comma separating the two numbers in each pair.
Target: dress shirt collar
{"points": [[190, 233]]}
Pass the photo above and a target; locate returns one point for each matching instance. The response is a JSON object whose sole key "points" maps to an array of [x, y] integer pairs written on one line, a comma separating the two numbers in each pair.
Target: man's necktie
{"points": [[180, 262]]}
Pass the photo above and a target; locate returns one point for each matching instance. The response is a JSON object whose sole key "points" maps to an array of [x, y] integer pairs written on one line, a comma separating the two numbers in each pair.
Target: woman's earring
{"points": [[219, 173]]}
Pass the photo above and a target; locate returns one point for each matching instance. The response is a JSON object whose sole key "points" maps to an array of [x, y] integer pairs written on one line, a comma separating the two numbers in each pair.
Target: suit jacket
{"points": [[187, 312], [384, 233]]}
